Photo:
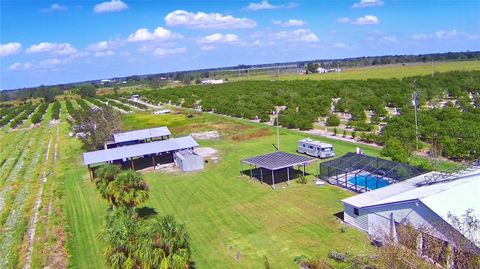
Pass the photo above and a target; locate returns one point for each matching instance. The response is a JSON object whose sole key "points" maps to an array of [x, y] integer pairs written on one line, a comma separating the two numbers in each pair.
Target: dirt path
{"points": [[36, 207]]}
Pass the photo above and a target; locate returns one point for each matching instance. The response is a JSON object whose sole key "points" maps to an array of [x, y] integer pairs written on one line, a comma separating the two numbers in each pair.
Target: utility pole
{"points": [[415, 105], [278, 132]]}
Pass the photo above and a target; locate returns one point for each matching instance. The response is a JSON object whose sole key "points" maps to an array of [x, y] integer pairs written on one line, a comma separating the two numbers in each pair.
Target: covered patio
{"points": [[276, 167]]}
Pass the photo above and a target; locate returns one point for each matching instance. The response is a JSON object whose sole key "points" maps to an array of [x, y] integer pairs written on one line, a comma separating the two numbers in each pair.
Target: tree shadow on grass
{"points": [[146, 212]]}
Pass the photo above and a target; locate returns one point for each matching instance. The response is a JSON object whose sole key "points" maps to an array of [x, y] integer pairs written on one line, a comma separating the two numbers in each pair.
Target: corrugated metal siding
{"points": [[360, 221]]}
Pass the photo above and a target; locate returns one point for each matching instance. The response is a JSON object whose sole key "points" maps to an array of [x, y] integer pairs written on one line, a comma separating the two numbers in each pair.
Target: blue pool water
{"points": [[370, 180]]}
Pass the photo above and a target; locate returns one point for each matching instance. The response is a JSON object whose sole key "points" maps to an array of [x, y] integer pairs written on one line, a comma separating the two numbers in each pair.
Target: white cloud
{"points": [[54, 48], [420, 36], [219, 38], [391, 39], [160, 34], [104, 53], [339, 45], [289, 23], [207, 47], [264, 5], [102, 45], [207, 20], [47, 64], [10, 49], [365, 20], [55, 7], [19, 66], [445, 34], [112, 6], [343, 20], [300, 35], [368, 3], [442, 34], [166, 52]]}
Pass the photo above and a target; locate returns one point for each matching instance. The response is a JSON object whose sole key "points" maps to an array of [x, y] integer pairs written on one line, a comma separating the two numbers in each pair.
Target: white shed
{"points": [[188, 160]]}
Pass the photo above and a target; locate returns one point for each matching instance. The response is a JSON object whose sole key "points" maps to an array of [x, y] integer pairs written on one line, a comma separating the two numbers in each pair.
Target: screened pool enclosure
{"points": [[361, 173]]}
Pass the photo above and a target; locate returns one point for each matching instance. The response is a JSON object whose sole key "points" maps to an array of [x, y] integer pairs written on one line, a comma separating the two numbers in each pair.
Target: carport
{"points": [[274, 166]]}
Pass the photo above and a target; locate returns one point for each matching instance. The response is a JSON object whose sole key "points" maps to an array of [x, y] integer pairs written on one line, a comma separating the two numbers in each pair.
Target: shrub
{"points": [[332, 120]]}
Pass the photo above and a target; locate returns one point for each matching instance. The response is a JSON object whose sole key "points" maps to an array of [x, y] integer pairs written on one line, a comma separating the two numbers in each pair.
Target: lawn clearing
{"points": [[233, 221]]}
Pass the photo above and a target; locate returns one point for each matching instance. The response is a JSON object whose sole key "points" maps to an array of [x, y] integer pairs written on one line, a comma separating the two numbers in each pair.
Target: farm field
{"points": [[31, 220], [232, 221], [372, 72]]}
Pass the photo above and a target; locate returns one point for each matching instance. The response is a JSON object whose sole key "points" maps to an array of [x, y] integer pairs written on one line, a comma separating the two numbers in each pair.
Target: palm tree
{"points": [[128, 189], [172, 238], [106, 174]]}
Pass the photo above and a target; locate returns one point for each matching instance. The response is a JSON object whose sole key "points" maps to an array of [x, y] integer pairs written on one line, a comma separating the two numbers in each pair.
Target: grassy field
{"points": [[380, 72], [233, 221]]}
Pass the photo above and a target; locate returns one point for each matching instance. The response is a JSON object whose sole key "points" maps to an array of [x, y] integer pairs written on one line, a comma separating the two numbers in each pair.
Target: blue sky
{"points": [[45, 42]]}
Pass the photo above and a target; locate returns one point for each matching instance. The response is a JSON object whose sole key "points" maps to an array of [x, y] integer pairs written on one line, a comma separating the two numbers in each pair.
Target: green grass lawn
{"points": [[370, 72], [233, 221]]}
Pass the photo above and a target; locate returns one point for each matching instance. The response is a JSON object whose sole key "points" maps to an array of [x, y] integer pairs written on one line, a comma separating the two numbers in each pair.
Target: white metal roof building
{"points": [[138, 150], [152, 133], [420, 203]]}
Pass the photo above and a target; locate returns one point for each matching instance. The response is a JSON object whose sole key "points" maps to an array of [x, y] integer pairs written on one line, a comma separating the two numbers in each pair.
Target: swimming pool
{"points": [[370, 180]]}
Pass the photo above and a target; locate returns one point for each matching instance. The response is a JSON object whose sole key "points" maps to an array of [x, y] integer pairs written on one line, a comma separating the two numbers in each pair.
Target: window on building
{"points": [[355, 211]]}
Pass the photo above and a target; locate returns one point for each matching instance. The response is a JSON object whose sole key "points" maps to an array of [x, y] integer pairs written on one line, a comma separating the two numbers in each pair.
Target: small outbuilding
{"points": [[188, 160]]}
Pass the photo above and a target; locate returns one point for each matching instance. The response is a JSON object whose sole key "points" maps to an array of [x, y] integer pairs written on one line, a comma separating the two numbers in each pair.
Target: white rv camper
{"points": [[315, 148]]}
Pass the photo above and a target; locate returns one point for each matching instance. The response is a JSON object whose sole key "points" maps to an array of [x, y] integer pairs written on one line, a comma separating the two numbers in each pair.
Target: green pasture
{"points": [[233, 221], [373, 72]]}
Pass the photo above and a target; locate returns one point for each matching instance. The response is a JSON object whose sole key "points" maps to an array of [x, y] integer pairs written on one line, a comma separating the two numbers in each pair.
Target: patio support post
{"points": [[250, 171], [288, 175], [303, 170], [90, 173], [261, 174], [273, 179], [131, 162], [153, 160], [355, 182]]}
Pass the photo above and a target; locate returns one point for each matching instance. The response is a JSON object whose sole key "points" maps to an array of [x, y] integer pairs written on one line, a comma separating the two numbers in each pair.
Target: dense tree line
{"points": [[10, 113], [70, 108], [306, 101], [38, 114], [56, 110], [450, 132], [22, 116]]}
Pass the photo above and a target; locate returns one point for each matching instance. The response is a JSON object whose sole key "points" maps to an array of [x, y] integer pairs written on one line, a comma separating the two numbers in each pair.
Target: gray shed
{"points": [[188, 160]]}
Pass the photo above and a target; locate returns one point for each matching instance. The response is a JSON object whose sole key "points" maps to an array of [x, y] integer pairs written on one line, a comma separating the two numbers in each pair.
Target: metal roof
{"points": [[137, 150], [315, 142], [277, 160], [444, 198], [141, 134]]}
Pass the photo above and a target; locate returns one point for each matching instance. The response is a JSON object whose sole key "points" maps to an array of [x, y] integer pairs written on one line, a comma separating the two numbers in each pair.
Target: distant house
{"points": [[322, 70], [422, 203], [212, 81]]}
